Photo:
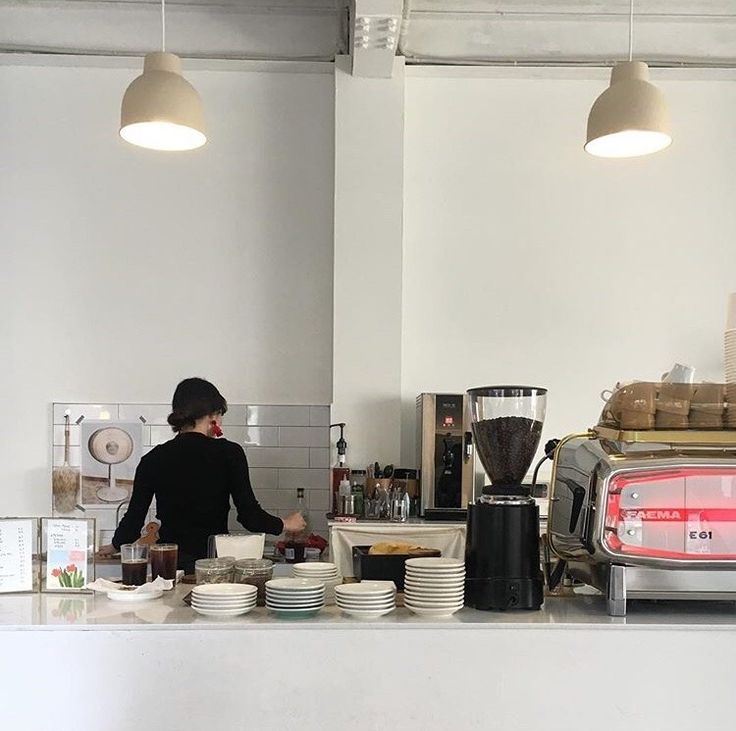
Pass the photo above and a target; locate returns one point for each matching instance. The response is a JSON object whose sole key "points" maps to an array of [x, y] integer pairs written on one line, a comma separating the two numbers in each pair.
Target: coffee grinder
{"points": [[502, 548]]}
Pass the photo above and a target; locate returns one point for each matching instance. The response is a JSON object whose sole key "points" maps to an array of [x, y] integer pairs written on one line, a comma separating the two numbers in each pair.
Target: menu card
{"points": [[67, 553], [16, 554]]}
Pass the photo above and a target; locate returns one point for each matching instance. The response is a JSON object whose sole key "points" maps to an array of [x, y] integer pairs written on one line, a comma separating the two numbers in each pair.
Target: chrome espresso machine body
{"points": [[646, 514]]}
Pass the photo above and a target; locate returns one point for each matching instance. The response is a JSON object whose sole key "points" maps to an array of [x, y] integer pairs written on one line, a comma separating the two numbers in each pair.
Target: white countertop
{"points": [[85, 612]]}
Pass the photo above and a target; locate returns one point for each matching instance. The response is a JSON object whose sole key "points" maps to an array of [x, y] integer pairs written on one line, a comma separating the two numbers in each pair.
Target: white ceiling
{"points": [[697, 32]]}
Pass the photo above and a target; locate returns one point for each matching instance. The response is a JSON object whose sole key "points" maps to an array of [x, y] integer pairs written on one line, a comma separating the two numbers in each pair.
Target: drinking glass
{"points": [[134, 563], [164, 557]]}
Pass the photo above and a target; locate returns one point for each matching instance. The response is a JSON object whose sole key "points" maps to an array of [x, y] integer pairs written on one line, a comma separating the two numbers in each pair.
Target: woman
{"points": [[193, 477]]}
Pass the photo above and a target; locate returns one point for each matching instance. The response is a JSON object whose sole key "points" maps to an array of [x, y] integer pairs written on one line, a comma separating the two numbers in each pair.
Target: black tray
{"points": [[383, 568]]}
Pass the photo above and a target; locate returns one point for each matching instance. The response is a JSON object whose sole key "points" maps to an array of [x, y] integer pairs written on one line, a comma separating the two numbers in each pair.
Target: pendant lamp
{"points": [[161, 110], [630, 118]]}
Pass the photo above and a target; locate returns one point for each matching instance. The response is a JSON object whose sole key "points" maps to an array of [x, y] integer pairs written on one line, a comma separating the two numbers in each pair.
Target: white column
{"points": [[369, 162]]}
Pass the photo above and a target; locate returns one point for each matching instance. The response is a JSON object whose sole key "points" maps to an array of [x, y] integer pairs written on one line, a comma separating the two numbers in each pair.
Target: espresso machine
{"points": [[502, 547]]}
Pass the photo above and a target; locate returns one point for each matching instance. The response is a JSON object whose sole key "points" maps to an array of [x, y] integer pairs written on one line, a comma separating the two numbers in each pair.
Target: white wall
{"points": [[124, 270], [369, 144], [526, 260]]}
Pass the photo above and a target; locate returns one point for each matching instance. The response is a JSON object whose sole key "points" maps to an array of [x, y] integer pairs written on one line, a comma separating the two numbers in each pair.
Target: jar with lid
{"points": [[256, 572], [214, 570]]}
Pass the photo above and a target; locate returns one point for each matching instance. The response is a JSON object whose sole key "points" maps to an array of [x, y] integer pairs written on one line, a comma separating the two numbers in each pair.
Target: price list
{"points": [[16, 554]]}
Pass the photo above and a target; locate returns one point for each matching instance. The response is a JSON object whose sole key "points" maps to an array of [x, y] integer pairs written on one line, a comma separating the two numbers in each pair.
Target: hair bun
{"points": [[177, 420]]}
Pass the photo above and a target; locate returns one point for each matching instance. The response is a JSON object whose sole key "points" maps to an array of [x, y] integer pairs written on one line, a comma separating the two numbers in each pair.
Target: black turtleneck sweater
{"points": [[193, 478]]}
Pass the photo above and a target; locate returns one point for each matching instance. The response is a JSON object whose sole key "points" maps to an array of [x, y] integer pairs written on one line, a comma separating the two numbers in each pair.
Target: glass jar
{"points": [[214, 570], [256, 572]]}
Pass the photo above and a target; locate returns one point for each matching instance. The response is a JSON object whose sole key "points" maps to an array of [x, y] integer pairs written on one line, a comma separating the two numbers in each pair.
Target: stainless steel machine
{"points": [[648, 513], [445, 445]]}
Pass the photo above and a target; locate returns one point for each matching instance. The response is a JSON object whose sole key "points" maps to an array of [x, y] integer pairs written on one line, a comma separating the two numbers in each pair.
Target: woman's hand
{"points": [[294, 523], [107, 551]]}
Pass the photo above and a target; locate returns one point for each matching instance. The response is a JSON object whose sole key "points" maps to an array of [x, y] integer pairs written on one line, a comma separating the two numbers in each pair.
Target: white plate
{"points": [[223, 599], [225, 590], [249, 605], [306, 605], [294, 584], [364, 590], [366, 604], [435, 563], [435, 582], [434, 594], [222, 605], [372, 614], [377, 608], [433, 605], [296, 612], [295, 599], [223, 613], [315, 566], [119, 595], [423, 612], [435, 572], [365, 600]]}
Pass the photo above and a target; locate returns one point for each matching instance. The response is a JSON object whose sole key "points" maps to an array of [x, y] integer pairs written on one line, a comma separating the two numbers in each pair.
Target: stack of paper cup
{"points": [[730, 360]]}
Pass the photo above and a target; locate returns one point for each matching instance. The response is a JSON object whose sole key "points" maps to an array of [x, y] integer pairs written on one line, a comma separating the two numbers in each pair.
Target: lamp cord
{"points": [[631, 31], [163, 26]]}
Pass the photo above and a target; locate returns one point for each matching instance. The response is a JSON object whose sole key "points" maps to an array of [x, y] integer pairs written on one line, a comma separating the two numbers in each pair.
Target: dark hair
{"points": [[193, 399]]}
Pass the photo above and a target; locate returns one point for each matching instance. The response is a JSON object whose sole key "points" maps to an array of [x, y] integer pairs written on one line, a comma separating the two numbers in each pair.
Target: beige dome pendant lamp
{"points": [[631, 117], [161, 110]]}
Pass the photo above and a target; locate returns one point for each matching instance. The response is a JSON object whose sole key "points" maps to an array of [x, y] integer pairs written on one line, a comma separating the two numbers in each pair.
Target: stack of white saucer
{"points": [[295, 597], [368, 599], [223, 600], [321, 571], [434, 587]]}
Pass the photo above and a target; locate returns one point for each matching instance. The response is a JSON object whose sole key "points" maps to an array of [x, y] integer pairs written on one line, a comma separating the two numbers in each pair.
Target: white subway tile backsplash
{"points": [[74, 435], [236, 415], [304, 436], [264, 479], [234, 434], [307, 478], [262, 436], [99, 412], [318, 500], [161, 434], [278, 415], [319, 458], [154, 414], [274, 500], [319, 416], [278, 456]]}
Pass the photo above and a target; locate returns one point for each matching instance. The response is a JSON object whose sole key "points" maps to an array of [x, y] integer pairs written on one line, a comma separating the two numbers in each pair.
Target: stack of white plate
{"points": [[223, 600], [434, 587], [321, 571], [295, 597], [366, 600]]}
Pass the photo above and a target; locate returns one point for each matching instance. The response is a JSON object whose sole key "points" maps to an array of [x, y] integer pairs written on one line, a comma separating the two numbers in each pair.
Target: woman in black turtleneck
{"points": [[193, 476]]}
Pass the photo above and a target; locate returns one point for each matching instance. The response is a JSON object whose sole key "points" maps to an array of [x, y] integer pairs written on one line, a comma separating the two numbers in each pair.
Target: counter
{"points": [[159, 665]]}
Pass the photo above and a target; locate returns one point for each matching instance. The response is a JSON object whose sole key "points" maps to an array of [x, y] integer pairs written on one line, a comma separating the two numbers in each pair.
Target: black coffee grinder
{"points": [[502, 549]]}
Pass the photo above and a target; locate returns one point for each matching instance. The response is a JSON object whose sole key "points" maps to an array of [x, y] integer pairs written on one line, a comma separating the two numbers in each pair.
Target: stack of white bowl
{"points": [[434, 587], [366, 600], [223, 600], [321, 571], [729, 344], [295, 597]]}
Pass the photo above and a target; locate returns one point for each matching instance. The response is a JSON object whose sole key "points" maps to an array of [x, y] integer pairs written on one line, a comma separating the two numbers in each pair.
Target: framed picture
{"points": [[19, 555], [67, 554]]}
